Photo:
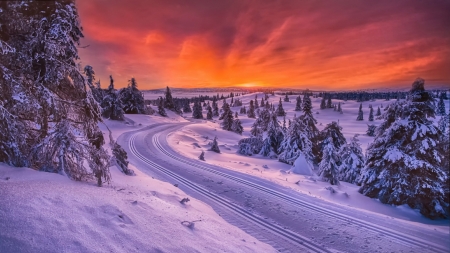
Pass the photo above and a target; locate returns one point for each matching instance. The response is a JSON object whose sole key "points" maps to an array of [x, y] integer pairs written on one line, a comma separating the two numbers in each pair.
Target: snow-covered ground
{"points": [[45, 212], [192, 139]]}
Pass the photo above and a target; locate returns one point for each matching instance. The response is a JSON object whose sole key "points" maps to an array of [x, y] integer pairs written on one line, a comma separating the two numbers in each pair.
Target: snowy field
{"points": [[195, 138], [132, 214]]}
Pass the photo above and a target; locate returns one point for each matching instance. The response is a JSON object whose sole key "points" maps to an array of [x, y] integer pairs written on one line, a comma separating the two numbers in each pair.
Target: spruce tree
{"points": [[311, 130], [111, 104], [237, 127], [227, 117], [371, 114], [161, 109], [97, 92], [378, 112], [329, 166], [280, 111], [286, 98], [403, 163], [323, 104], [187, 107], [331, 132], [371, 130], [360, 113], [329, 104], [132, 99], [298, 105], [202, 156], [352, 161], [197, 110], [251, 110], [48, 114], [215, 108], [209, 114], [441, 107], [215, 146], [168, 101], [296, 141]]}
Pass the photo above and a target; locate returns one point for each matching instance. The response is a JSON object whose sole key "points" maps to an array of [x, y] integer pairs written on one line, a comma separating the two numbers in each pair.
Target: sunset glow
{"points": [[302, 44]]}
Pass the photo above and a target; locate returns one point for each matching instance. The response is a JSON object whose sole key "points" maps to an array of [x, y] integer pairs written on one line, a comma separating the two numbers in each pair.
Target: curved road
{"points": [[283, 218]]}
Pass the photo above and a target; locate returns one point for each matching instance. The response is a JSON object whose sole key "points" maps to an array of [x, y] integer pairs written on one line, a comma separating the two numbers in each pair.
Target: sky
{"points": [[272, 43]]}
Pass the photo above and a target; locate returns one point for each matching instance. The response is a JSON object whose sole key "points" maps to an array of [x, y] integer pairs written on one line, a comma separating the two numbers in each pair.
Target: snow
{"points": [[346, 194], [302, 166], [46, 212]]}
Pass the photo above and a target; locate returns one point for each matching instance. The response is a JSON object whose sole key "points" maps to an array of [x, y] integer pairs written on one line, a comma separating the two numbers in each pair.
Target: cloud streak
{"points": [[304, 44]]}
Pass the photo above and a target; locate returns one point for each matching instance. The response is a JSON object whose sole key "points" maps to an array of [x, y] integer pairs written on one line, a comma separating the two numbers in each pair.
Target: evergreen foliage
{"points": [[168, 101], [298, 105], [132, 99], [111, 104], [280, 111], [371, 114], [329, 166], [215, 146], [352, 161], [360, 113]]}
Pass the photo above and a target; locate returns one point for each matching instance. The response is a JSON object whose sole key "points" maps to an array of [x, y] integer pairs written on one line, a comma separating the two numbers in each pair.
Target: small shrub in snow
{"points": [[121, 157], [202, 156], [215, 146], [371, 130], [184, 200]]}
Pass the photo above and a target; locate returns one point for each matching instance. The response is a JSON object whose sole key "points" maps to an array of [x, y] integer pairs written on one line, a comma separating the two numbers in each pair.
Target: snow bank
{"points": [[44, 212]]}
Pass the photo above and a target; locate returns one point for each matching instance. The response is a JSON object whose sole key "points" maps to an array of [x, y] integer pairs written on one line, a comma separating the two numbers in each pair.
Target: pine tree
{"points": [[197, 110], [111, 105], [215, 108], [48, 115], [251, 110], [295, 142], [161, 109], [227, 117], [360, 113], [280, 111], [329, 104], [323, 104], [378, 112], [132, 99], [243, 110], [237, 127], [168, 101], [371, 114], [441, 107], [286, 98], [97, 92], [298, 105], [403, 163], [329, 166], [215, 146], [352, 161], [371, 130], [311, 130], [121, 157], [209, 114], [331, 132], [250, 146], [187, 107], [339, 107]]}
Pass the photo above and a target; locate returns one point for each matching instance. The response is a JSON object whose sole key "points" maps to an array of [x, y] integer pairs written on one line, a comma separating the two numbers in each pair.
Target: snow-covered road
{"points": [[286, 219]]}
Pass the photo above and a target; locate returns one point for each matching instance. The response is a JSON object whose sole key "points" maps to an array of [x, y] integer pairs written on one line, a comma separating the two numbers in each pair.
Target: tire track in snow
{"points": [[254, 219], [394, 235]]}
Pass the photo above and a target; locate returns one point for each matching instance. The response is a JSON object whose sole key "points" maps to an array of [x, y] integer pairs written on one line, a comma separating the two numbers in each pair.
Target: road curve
{"points": [[281, 217]]}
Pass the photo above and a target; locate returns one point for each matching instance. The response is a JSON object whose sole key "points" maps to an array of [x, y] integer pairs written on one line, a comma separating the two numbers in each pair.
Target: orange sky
{"points": [[302, 44]]}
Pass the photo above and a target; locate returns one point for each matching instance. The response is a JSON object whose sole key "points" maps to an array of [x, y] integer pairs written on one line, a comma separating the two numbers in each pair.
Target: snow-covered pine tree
{"points": [[323, 103], [360, 113], [250, 146], [403, 163], [215, 108], [311, 130], [440, 110], [209, 114], [378, 112], [352, 161], [161, 109], [332, 131], [215, 146], [295, 142], [274, 138], [256, 103], [298, 105], [256, 130], [97, 92], [286, 98], [168, 101], [262, 102], [251, 110], [121, 157], [237, 127], [371, 113], [111, 105], [280, 110], [371, 130], [329, 166], [329, 103], [243, 110], [339, 107], [197, 110], [187, 107], [132, 98], [227, 117]]}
